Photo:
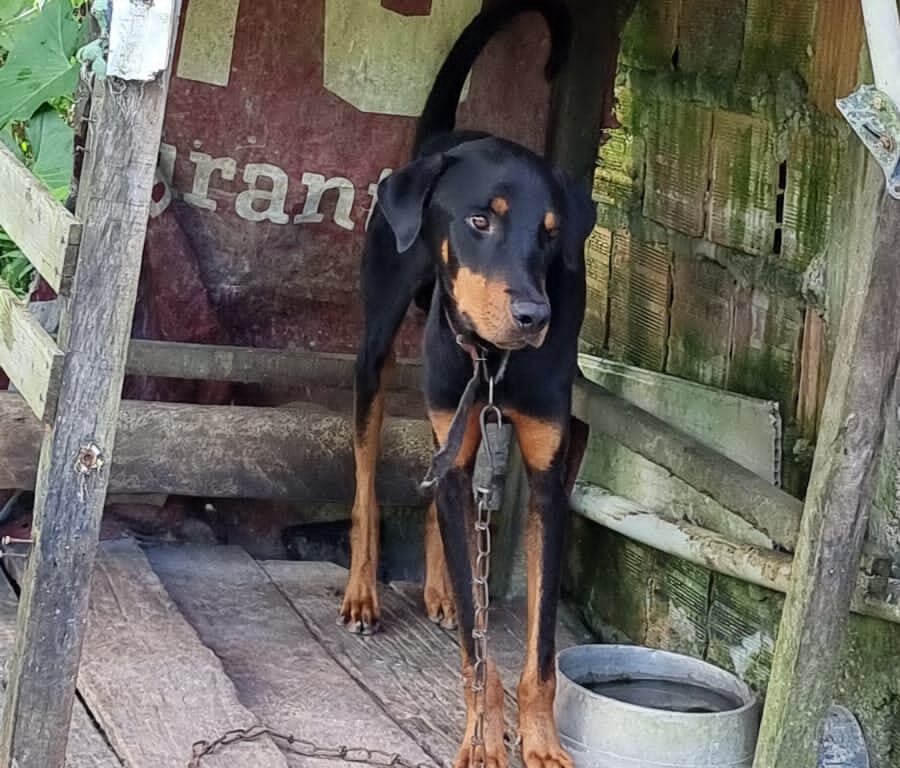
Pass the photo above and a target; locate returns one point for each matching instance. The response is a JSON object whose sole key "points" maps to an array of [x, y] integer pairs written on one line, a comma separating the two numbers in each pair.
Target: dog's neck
{"points": [[469, 341]]}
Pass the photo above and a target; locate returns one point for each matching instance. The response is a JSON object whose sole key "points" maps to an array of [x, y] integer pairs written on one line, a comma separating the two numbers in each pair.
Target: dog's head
{"points": [[498, 219]]}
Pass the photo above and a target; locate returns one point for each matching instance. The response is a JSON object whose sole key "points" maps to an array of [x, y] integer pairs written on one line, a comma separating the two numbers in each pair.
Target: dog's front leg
{"points": [[543, 445], [455, 510]]}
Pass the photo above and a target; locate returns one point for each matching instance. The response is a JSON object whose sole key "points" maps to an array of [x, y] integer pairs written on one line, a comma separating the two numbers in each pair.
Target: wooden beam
{"points": [[29, 356], [179, 360], [36, 222], [708, 549], [767, 508], [77, 451], [302, 453], [835, 517]]}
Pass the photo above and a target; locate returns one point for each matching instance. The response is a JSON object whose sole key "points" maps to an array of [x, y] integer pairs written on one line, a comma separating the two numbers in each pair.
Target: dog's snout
{"points": [[531, 316]]}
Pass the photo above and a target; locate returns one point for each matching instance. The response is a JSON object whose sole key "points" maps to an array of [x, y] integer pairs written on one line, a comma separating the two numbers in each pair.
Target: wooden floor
{"points": [[187, 643]]}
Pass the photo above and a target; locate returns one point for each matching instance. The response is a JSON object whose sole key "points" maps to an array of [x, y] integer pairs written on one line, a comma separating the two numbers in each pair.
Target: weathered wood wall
{"points": [[730, 201]]}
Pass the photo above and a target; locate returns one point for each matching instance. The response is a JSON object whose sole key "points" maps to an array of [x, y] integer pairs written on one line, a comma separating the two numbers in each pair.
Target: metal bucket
{"points": [[602, 727]]}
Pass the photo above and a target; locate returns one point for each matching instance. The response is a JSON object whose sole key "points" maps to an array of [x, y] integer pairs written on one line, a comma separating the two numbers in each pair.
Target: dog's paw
{"points": [[360, 612], [490, 756], [541, 749], [440, 606]]}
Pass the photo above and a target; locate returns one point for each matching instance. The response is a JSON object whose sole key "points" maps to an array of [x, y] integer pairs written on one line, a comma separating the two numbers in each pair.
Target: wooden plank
{"points": [[29, 356], [813, 626], [411, 667], [689, 542], [280, 670], [87, 746], [180, 360], [578, 115], [302, 453], [768, 509], [745, 429], [393, 664], [700, 546], [814, 367], [834, 68], [114, 203], [507, 631], [148, 679], [630, 474], [37, 223]]}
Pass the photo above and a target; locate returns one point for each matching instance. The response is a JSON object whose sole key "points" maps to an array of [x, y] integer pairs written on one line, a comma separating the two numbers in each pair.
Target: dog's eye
{"points": [[479, 223]]}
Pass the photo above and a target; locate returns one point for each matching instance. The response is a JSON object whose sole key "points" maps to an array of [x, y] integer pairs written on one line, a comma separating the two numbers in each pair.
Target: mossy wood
{"points": [[37, 223], [28, 356], [863, 377], [77, 450]]}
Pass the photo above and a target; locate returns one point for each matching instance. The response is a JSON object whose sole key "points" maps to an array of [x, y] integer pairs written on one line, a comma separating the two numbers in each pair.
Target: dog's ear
{"points": [[579, 218], [403, 195]]}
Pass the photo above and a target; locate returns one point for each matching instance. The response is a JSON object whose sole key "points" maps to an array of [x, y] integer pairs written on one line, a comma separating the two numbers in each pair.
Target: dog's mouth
{"points": [[521, 341]]}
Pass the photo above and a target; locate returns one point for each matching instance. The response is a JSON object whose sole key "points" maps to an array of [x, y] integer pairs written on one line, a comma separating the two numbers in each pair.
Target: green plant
{"points": [[38, 75]]}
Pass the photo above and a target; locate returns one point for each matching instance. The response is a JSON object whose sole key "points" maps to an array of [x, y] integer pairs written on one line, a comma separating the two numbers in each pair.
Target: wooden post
{"points": [[77, 450], [835, 515]]}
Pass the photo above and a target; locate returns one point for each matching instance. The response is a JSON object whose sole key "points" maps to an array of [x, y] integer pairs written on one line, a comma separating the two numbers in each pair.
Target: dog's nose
{"points": [[531, 316]]}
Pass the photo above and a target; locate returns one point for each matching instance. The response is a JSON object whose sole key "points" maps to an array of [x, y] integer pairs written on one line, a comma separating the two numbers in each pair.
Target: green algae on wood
{"points": [[650, 36], [777, 38], [701, 320], [743, 192], [814, 159], [710, 37], [677, 165], [619, 583], [597, 257], [640, 284]]}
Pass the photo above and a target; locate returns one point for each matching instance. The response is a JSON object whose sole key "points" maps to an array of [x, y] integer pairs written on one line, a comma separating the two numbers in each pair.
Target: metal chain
{"points": [[490, 420], [305, 747]]}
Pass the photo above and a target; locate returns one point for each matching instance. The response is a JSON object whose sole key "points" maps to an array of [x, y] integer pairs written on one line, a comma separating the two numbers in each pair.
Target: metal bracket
{"points": [[876, 120], [5, 543]]}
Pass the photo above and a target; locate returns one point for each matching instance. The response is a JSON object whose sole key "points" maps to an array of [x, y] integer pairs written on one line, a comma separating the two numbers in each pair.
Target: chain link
{"points": [[305, 747], [490, 422]]}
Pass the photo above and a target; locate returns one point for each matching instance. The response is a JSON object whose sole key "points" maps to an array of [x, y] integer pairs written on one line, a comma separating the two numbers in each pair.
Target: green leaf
{"points": [[16, 271], [13, 13], [51, 146], [6, 136], [6, 243], [40, 66]]}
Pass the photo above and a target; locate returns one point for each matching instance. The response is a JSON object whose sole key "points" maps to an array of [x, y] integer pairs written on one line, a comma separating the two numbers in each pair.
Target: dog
{"points": [[488, 238]]}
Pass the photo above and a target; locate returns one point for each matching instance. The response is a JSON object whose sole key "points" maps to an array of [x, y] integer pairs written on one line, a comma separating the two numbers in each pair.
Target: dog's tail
{"points": [[439, 115]]}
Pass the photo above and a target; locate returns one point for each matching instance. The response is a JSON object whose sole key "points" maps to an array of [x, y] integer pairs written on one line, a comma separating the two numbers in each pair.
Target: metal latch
{"points": [[875, 118]]}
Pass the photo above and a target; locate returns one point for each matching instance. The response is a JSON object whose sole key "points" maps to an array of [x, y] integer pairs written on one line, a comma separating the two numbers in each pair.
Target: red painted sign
{"points": [[282, 118]]}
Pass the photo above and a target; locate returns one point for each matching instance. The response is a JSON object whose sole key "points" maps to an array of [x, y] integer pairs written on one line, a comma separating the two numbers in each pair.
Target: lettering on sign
{"points": [[266, 193]]}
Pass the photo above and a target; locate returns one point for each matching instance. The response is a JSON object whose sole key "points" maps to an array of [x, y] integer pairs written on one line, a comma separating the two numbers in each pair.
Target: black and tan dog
{"points": [[489, 237]]}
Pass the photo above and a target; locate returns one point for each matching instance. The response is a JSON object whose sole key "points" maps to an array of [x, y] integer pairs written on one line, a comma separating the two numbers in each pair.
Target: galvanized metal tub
{"points": [[604, 732]]}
